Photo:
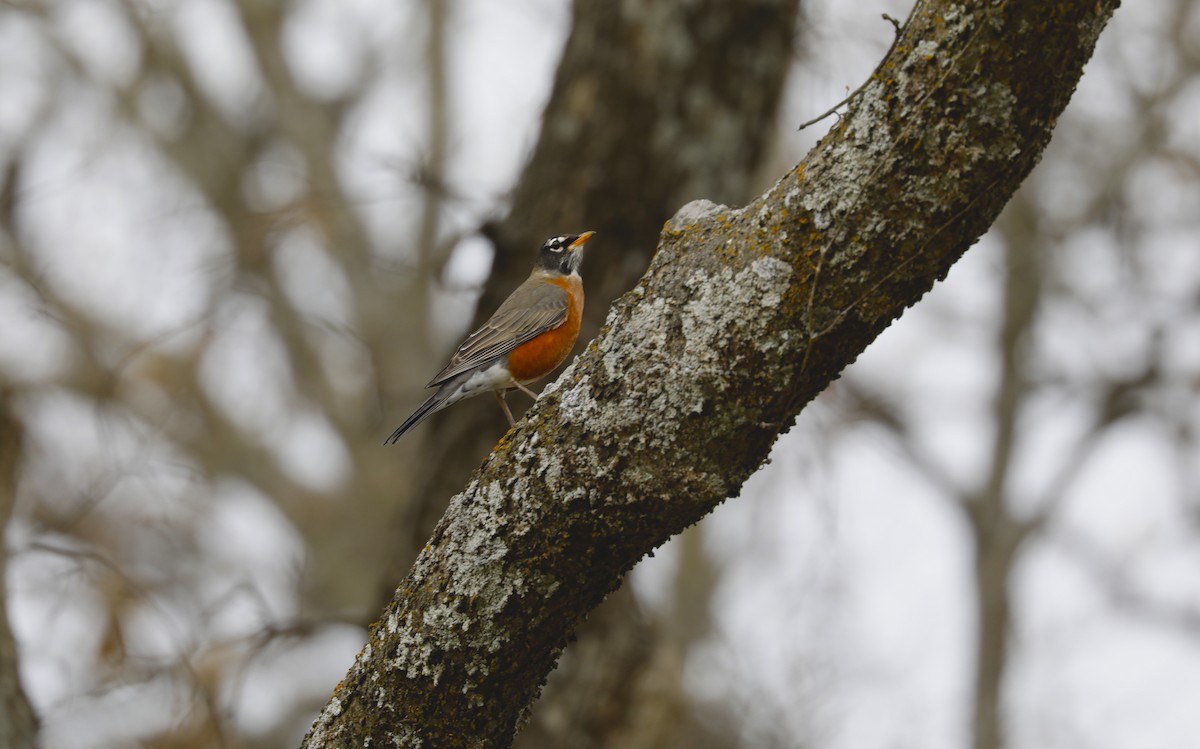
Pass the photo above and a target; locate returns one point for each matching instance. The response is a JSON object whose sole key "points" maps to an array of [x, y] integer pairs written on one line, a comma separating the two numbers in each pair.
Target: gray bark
{"points": [[743, 317]]}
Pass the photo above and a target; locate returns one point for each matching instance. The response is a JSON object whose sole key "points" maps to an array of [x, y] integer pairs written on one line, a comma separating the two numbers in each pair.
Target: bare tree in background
{"points": [[1053, 238], [18, 726]]}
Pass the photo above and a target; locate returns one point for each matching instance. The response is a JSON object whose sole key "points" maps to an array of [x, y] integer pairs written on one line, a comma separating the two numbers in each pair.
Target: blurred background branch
{"points": [[18, 729]]}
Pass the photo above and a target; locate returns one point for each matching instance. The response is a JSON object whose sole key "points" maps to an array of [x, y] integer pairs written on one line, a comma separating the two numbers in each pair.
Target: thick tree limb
{"points": [[744, 316]]}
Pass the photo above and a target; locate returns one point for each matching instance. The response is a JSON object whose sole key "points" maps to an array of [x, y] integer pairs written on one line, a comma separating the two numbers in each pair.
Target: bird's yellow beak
{"points": [[581, 241]]}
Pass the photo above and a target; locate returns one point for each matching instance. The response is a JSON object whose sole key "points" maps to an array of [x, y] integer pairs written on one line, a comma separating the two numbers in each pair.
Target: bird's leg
{"points": [[525, 390], [508, 414]]}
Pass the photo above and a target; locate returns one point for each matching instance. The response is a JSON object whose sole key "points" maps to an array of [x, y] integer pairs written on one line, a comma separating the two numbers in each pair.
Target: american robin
{"points": [[530, 335]]}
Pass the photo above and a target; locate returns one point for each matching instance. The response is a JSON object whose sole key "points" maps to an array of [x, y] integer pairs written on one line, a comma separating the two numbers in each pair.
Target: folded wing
{"points": [[529, 312]]}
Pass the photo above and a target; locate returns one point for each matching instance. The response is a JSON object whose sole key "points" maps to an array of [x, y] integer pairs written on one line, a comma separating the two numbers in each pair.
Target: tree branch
{"points": [[743, 317]]}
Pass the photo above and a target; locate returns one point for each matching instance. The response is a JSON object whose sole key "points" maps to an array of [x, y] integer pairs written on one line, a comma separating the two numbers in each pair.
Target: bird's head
{"points": [[563, 254]]}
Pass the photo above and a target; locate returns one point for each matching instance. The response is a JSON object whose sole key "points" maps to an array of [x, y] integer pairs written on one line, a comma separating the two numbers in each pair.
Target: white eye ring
{"points": [[556, 244]]}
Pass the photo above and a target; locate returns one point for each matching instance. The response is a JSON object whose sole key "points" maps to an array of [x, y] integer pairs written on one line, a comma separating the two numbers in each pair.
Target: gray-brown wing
{"points": [[528, 312]]}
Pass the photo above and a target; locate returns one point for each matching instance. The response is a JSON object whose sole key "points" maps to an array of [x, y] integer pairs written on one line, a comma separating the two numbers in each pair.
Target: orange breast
{"points": [[535, 359]]}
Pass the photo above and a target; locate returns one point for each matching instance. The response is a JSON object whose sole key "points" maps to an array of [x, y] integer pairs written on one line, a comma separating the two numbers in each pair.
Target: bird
{"points": [[530, 334]]}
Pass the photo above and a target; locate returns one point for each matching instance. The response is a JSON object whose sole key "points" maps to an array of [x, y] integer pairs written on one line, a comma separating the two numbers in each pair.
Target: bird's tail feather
{"points": [[436, 403]]}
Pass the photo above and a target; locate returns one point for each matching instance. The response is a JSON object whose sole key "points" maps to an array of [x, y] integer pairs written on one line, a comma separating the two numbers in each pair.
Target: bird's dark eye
{"points": [[556, 244]]}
